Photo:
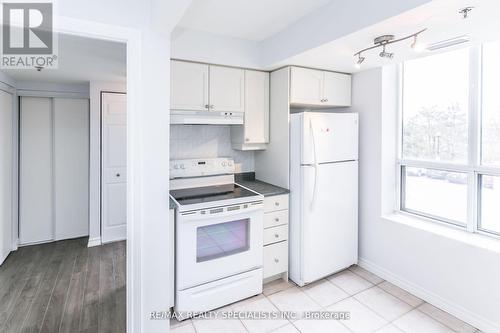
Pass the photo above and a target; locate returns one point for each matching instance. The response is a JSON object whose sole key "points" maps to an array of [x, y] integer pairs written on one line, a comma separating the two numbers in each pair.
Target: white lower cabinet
{"points": [[275, 238], [275, 259]]}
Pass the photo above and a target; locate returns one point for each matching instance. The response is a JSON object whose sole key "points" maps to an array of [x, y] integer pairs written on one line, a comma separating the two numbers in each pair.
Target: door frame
{"points": [[132, 38]]}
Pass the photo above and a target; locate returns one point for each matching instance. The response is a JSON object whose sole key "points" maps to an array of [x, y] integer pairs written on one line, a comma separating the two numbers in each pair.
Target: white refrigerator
{"points": [[323, 194]]}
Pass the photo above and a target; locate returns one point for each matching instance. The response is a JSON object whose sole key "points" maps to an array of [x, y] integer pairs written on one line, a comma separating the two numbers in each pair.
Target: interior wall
{"points": [[214, 49], [445, 267], [207, 141], [6, 173]]}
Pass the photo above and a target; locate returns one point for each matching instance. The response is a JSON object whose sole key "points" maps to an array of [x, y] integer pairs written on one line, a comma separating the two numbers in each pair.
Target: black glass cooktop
{"points": [[198, 195]]}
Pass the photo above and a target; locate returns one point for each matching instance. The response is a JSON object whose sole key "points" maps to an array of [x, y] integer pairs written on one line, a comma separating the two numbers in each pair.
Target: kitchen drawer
{"points": [[275, 234], [276, 202], [275, 218], [275, 259]]}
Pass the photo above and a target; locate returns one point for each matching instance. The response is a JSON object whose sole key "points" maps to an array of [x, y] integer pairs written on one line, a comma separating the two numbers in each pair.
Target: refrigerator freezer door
{"points": [[329, 137], [329, 219]]}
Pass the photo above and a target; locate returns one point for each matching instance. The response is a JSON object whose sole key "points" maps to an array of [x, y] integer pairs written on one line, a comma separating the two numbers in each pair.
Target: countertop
{"points": [[248, 180]]}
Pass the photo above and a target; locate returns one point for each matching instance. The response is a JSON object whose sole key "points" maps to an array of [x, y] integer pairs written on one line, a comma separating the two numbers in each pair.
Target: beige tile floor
{"points": [[375, 305]]}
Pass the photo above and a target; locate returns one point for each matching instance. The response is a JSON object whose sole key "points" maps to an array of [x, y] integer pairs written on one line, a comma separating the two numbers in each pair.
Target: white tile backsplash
{"points": [[207, 141]]}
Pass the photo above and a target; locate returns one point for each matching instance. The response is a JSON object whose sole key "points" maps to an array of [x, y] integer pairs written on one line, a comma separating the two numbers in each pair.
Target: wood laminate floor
{"points": [[64, 287]]}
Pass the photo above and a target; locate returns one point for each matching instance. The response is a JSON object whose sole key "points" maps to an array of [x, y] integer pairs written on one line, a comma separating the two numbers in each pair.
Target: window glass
{"points": [[435, 193], [221, 240], [491, 104], [490, 204], [435, 106]]}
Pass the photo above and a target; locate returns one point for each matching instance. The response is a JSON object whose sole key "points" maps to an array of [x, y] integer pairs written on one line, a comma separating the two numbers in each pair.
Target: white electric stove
{"points": [[219, 227]]}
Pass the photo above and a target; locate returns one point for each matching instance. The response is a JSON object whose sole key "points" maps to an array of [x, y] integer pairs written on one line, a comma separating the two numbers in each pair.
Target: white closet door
{"points": [[71, 167], [36, 171], [5, 174], [114, 167]]}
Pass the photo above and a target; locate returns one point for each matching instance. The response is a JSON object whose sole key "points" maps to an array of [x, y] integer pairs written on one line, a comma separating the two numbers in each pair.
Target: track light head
{"points": [[417, 46], [359, 61], [385, 54]]}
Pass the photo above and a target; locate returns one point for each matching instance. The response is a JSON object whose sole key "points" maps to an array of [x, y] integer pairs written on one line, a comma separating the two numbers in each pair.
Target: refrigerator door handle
{"points": [[315, 164]]}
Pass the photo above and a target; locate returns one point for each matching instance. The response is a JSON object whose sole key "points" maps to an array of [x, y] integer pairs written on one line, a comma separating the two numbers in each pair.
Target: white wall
{"points": [[215, 49], [207, 141], [456, 271]]}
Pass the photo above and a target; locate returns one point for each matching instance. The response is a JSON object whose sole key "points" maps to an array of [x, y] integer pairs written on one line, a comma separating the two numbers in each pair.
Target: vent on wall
{"points": [[448, 43]]}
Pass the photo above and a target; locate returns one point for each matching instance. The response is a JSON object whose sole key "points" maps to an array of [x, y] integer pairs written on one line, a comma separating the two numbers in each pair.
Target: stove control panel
{"points": [[201, 167]]}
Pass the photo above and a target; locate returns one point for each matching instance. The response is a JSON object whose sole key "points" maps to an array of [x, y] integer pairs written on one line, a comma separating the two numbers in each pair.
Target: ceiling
{"points": [[253, 20], [81, 60], [440, 17]]}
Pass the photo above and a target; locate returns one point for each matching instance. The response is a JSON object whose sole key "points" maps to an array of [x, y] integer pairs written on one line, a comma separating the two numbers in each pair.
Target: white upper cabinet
{"points": [[254, 134], [337, 89], [319, 88], [227, 89], [306, 86], [189, 86]]}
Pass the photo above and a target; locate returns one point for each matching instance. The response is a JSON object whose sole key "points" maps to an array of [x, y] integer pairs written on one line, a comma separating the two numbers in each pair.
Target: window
{"points": [[436, 97], [449, 161]]}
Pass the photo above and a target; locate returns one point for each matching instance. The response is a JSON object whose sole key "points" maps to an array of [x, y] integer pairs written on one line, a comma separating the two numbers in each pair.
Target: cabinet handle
{"points": [[247, 139], [276, 236], [117, 175], [211, 106], [207, 106], [276, 203], [326, 100], [276, 260], [322, 101], [277, 219]]}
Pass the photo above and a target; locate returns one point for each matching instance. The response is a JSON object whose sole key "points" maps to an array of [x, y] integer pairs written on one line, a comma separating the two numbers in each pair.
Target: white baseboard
{"points": [[15, 244], [456, 310], [96, 241]]}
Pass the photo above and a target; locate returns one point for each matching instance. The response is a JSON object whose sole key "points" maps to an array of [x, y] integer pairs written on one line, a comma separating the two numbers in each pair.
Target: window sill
{"points": [[489, 243]]}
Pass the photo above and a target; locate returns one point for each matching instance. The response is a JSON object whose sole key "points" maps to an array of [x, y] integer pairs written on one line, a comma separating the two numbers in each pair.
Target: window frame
{"points": [[473, 168]]}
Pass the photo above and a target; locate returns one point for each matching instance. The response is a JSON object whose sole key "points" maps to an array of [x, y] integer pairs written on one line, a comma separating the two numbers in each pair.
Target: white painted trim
{"points": [[456, 310], [134, 84], [96, 241], [52, 94]]}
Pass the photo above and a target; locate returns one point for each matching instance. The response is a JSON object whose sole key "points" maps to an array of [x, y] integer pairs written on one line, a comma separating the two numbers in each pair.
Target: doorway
{"points": [[66, 285]]}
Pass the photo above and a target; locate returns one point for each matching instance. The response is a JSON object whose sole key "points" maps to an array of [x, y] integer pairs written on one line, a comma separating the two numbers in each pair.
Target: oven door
{"points": [[217, 243]]}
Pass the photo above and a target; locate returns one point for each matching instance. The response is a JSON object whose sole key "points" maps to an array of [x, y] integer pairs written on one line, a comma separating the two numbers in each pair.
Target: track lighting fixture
{"points": [[384, 40], [360, 61]]}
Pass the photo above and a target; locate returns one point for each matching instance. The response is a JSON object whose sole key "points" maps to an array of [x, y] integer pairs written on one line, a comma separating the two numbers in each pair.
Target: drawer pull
{"points": [[276, 260], [276, 203], [276, 236], [277, 219]]}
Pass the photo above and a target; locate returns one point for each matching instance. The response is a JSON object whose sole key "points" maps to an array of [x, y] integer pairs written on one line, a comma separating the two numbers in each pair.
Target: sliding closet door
{"points": [[71, 167], [36, 171], [6, 174]]}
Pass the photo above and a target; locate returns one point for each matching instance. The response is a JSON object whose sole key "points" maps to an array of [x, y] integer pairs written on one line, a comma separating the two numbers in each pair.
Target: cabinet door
{"points": [[337, 89], [306, 86], [227, 89], [256, 107], [188, 86]]}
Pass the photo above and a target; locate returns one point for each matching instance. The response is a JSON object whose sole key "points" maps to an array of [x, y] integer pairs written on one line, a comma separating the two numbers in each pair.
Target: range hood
{"points": [[206, 118]]}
